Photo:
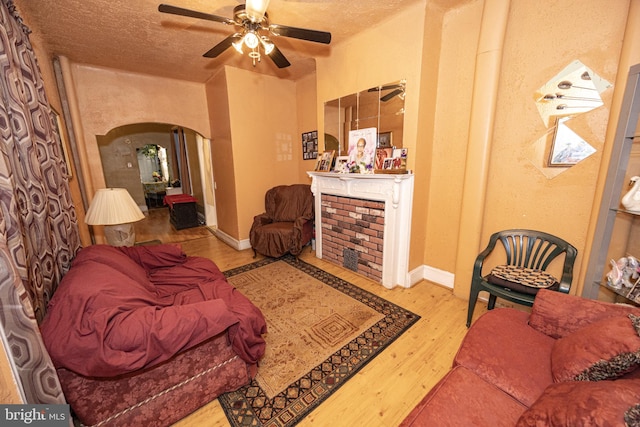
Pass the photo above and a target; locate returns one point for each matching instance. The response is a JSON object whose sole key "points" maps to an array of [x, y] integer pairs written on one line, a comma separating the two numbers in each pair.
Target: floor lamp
{"points": [[117, 211]]}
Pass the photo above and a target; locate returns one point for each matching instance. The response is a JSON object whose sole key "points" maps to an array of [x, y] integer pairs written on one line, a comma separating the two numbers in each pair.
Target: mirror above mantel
{"points": [[380, 107]]}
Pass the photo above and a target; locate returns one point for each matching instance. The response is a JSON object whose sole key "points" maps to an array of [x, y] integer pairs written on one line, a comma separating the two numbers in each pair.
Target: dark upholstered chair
{"points": [[286, 226], [518, 278]]}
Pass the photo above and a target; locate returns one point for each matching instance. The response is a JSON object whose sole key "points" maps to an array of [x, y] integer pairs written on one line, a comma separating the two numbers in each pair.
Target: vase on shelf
{"points": [[631, 200]]}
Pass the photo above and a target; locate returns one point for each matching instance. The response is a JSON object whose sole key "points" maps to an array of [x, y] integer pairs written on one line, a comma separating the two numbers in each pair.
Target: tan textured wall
{"points": [[307, 106], [449, 101], [222, 154], [108, 98], [256, 143], [265, 141]]}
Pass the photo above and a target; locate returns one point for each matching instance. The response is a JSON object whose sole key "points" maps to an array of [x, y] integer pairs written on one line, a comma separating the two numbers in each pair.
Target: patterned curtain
{"points": [[38, 226]]}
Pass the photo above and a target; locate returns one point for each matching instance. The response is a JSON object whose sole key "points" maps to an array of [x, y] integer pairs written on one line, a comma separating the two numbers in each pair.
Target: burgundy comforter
{"points": [[118, 310]]}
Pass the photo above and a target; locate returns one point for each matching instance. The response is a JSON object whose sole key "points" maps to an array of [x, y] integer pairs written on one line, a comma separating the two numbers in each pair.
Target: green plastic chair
{"points": [[526, 249]]}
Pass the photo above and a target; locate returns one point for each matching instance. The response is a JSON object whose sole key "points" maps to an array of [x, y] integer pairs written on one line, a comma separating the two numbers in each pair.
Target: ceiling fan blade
{"points": [[381, 88], [278, 58], [301, 33], [166, 8], [391, 95], [222, 46], [255, 9], [391, 87]]}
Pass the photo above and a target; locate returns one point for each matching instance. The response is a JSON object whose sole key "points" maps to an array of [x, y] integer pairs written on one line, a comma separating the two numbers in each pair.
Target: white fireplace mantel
{"points": [[396, 191]]}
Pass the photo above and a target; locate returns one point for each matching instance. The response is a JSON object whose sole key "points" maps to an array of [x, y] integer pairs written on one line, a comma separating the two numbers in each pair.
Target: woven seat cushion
{"points": [[522, 279]]}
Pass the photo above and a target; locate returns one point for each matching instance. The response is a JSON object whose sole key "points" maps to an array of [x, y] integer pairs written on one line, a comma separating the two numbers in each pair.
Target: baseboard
{"points": [[236, 244], [424, 272]]}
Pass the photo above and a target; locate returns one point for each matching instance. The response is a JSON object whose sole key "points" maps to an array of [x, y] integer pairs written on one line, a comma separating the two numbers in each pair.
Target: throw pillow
{"points": [[635, 321], [605, 403], [632, 416], [603, 350], [522, 279]]}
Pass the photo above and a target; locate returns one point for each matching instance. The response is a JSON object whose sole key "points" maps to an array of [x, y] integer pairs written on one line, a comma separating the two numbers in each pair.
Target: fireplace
{"points": [[353, 233], [363, 222]]}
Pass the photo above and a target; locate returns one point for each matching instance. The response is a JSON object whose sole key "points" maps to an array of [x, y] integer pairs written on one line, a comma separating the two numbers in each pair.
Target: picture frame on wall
{"points": [[567, 147], [310, 145]]}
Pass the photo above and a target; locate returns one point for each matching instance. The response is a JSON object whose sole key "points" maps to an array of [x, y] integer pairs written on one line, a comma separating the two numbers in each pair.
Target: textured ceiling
{"points": [[132, 35]]}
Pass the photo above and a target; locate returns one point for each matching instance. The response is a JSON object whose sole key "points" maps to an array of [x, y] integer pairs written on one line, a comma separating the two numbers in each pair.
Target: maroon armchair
{"points": [[286, 226]]}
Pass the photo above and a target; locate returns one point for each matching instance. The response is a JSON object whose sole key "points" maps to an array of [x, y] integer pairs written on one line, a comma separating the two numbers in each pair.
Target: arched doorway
{"points": [[151, 159]]}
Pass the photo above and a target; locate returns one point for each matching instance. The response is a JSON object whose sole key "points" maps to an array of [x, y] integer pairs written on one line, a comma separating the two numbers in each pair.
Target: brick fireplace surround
{"points": [[363, 222], [356, 225]]}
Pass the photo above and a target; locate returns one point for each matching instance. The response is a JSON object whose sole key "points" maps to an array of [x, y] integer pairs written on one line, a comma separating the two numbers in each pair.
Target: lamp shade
{"points": [[111, 206]]}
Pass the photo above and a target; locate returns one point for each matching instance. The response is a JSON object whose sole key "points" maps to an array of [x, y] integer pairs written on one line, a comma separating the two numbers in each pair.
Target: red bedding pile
{"points": [[118, 310]]}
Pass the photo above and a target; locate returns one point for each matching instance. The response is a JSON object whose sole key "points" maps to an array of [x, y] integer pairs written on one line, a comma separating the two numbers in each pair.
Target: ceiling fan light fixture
{"points": [[267, 45], [256, 9], [251, 40], [237, 45]]}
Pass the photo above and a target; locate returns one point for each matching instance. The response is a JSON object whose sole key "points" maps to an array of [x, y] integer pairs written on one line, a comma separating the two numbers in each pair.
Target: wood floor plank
{"points": [[383, 392]]}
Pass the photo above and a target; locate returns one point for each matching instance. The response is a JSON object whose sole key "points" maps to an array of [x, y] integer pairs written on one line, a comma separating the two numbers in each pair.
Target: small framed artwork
{"points": [[310, 145], [325, 161], [387, 164], [393, 160], [341, 164], [567, 147], [384, 140], [381, 155], [400, 158]]}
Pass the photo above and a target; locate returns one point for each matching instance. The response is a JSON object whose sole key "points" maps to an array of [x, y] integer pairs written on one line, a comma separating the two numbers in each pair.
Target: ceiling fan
{"points": [[398, 90], [253, 31]]}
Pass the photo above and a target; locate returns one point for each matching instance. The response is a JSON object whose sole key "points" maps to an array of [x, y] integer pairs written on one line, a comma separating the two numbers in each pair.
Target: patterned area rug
{"points": [[322, 330]]}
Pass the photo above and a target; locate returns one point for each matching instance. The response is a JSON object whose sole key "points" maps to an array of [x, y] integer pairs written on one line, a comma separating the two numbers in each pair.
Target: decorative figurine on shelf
{"points": [[624, 272], [631, 200]]}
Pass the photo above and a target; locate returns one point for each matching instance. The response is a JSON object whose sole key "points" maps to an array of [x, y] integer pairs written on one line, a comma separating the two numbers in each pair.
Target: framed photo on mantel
{"points": [[391, 160], [325, 161]]}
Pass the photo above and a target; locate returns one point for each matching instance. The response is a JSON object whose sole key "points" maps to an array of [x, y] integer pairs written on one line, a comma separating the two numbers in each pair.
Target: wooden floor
{"points": [[384, 391], [156, 226]]}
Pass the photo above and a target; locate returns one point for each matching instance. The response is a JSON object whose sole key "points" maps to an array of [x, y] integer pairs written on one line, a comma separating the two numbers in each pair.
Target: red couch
{"points": [[571, 362], [145, 335]]}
